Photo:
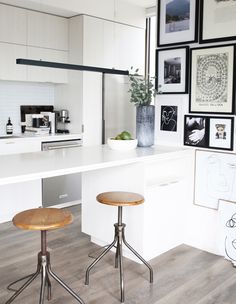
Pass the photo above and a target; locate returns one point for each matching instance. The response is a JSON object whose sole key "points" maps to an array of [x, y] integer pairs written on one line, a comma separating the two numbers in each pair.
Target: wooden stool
{"points": [[42, 219], [119, 199]]}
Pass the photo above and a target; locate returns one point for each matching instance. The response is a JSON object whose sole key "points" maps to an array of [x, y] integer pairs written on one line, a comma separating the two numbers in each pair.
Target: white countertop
{"points": [[46, 137], [31, 166]]}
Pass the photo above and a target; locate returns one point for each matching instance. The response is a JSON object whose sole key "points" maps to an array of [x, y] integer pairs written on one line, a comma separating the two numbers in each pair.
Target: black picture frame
{"points": [[189, 38], [193, 72], [229, 140], [204, 26], [199, 123], [160, 84]]}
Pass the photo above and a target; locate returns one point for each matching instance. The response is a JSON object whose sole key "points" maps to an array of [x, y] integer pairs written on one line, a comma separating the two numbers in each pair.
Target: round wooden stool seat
{"points": [[42, 219], [120, 198]]}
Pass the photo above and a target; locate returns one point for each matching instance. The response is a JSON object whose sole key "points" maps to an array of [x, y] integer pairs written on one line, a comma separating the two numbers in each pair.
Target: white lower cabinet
{"points": [[14, 146], [18, 197]]}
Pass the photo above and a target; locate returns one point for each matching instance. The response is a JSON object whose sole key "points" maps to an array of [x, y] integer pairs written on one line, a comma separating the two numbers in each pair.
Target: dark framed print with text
{"points": [[172, 66], [196, 131], [177, 22], [212, 87], [217, 20], [221, 130]]}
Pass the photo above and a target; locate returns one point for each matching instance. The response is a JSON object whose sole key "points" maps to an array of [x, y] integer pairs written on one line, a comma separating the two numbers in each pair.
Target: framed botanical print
{"points": [[172, 70], [177, 22], [217, 20], [221, 132], [196, 131], [212, 80]]}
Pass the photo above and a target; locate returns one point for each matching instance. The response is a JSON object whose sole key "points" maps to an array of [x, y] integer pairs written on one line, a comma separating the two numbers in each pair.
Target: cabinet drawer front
{"points": [[15, 147]]}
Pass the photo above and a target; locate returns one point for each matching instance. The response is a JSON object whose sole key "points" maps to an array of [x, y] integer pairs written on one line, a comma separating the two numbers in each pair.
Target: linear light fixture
{"points": [[66, 66]]}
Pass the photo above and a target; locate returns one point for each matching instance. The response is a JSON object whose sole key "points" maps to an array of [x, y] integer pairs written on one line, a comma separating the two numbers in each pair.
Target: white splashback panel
{"points": [[15, 94]]}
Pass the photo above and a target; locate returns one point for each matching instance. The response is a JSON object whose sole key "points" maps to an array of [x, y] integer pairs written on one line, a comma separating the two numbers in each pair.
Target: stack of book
{"points": [[36, 131]]}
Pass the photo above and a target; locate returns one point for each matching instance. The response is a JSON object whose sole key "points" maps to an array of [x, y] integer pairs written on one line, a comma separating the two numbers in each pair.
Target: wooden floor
{"points": [[182, 276]]}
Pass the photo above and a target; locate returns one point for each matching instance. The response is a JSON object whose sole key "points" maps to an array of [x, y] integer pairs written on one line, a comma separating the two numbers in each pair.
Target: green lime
{"points": [[125, 135], [118, 137]]}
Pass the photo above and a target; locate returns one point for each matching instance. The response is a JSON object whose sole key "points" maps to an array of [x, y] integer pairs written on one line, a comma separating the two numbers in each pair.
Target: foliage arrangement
{"points": [[142, 90]]}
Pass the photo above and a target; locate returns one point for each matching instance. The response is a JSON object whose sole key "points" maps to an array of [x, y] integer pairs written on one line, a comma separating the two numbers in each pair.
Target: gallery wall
{"points": [[214, 170]]}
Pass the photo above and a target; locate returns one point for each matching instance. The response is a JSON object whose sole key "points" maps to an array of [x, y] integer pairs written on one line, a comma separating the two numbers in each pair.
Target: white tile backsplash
{"points": [[15, 94]]}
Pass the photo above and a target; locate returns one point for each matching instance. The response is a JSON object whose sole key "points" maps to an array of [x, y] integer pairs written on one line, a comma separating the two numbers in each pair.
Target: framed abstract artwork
{"points": [[177, 22], [172, 66], [196, 131], [217, 20], [212, 80], [221, 130]]}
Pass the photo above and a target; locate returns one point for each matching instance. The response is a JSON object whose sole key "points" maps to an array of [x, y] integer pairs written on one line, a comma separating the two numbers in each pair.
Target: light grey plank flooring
{"points": [[183, 275]]}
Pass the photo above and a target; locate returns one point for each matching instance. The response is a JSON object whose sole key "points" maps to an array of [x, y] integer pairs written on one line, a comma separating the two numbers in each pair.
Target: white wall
{"points": [[15, 94]]}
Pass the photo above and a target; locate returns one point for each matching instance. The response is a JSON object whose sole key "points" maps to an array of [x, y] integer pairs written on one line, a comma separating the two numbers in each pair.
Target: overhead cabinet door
{"points": [[47, 31]]}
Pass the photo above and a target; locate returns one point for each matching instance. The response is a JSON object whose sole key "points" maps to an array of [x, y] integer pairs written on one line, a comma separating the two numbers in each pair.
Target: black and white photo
{"points": [[169, 116], [177, 22], [221, 132], [196, 131], [212, 80], [217, 20], [172, 70]]}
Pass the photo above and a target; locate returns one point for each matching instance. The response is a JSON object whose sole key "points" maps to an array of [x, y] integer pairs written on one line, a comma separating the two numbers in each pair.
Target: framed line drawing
{"points": [[215, 178], [169, 118], [212, 85], [196, 131], [217, 20], [177, 22], [172, 66], [221, 131]]}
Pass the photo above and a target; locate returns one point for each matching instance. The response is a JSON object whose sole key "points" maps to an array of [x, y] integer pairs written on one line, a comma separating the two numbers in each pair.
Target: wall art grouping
{"points": [[172, 67], [212, 80], [178, 20], [209, 132]]}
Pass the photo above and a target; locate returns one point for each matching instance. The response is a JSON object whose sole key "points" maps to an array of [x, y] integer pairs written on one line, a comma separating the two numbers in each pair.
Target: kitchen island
{"points": [[160, 173]]}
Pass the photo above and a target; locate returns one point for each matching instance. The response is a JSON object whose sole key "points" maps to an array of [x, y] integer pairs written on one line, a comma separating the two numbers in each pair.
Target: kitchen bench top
{"points": [[43, 164]]}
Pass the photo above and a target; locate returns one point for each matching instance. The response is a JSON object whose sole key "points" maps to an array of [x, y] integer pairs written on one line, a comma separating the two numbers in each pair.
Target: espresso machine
{"points": [[62, 120]]}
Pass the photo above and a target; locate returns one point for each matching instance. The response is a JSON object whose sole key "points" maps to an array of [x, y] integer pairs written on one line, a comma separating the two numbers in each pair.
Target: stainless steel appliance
{"points": [[62, 121], [65, 189]]}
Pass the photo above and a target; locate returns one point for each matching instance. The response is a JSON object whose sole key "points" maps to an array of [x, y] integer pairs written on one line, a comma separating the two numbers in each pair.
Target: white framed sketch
{"points": [[215, 178]]}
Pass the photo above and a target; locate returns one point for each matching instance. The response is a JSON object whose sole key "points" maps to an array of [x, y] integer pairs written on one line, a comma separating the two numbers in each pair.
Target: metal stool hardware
{"points": [[119, 239]]}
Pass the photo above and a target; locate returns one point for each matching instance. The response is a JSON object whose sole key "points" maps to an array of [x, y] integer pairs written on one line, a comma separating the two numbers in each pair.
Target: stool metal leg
{"points": [[43, 279], [116, 258], [98, 259], [49, 287], [120, 257]]}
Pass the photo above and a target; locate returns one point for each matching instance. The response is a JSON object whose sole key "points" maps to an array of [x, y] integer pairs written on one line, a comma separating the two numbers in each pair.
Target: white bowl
{"points": [[122, 145]]}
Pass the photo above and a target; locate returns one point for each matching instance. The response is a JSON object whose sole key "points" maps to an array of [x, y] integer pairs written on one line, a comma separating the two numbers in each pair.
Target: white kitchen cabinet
{"points": [[13, 24], [9, 69], [47, 31], [15, 145], [44, 74]]}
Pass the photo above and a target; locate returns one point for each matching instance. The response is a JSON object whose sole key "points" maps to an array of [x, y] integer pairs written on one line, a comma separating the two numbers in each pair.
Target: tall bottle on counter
{"points": [[9, 127]]}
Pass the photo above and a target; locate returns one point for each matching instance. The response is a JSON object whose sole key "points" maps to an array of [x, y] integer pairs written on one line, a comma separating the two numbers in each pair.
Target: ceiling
{"points": [[41, 5]]}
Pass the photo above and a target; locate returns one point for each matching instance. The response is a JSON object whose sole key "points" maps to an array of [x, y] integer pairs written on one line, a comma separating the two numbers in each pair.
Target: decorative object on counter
{"points": [[122, 142], [177, 22], [172, 67], [9, 127], [212, 80], [142, 91], [217, 21]]}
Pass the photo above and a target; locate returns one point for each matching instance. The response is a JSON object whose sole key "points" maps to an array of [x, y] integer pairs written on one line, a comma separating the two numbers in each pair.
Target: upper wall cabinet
{"points": [[47, 31], [13, 24]]}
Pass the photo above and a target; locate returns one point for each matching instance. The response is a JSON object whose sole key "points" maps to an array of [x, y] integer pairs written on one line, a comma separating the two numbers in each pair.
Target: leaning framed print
{"points": [[212, 80], [221, 131], [177, 22], [217, 20], [172, 67], [196, 131]]}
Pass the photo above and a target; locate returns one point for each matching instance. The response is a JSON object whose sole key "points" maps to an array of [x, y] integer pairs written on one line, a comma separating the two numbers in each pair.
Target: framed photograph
{"points": [[215, 178], [177, 22], [221, 132], [169, 117], [212, 80], [217, 20], [172, 70], [196, 131]]}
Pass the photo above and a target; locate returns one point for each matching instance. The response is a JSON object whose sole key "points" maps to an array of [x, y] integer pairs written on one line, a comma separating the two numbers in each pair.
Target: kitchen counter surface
{"points": [[46, 137], [36, 165]]}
